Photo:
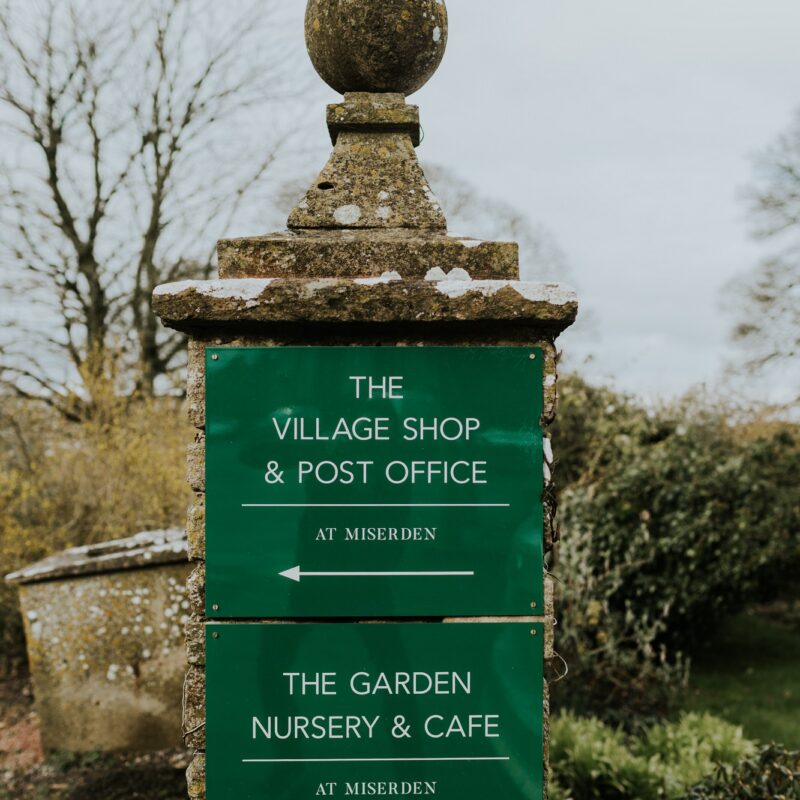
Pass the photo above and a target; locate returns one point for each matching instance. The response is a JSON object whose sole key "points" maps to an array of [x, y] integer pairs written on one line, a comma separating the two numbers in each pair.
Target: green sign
{"points": [[373, 481], [348, 710]]}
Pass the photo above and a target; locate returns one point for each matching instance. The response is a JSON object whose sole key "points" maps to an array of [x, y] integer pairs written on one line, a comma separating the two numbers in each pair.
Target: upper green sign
{"points": [[373, 481], [298, 712]]}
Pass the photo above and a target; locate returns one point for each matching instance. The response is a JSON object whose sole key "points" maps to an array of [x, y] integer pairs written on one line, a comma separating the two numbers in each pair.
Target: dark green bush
{"points": [[774, 774], [592, 761], [696, 520], [671, 519], [595, 427]]}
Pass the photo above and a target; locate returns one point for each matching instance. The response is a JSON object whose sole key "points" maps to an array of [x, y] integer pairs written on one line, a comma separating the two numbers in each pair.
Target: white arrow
{"points": [[294, 574]]}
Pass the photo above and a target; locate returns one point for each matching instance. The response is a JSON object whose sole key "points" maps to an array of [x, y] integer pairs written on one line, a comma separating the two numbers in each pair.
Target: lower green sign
{"points": [[400, 709]]}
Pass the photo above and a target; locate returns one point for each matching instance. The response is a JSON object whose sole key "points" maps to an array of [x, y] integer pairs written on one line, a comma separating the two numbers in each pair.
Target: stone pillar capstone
{"points": [[366, 261]]}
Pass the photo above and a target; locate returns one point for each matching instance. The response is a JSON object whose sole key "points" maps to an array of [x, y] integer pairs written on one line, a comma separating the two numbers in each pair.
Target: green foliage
{"points": [[595, 427], [64, 484], [699, 518], [592, 761], [671, 519], [774, 774]]}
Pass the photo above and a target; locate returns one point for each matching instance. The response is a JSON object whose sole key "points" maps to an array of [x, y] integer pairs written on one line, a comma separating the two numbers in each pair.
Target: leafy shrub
{"points": [[672, 519], [774, 774], [592, 761], [595, 427], [64, 484]]}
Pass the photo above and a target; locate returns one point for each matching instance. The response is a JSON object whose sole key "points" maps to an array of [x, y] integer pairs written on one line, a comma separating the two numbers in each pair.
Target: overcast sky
{"points": [[628, 128]]}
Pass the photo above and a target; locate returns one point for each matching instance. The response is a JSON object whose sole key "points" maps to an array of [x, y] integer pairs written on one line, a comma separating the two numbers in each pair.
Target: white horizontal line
{"points": [[329, 760], [385, 574], [376, 505]]}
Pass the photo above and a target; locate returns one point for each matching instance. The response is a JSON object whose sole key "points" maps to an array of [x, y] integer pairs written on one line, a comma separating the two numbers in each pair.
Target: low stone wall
{"points": [[104, 628]]}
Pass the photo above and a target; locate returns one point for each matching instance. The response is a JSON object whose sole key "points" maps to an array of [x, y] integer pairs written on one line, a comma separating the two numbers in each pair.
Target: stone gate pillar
{"points": [[371, 398]]}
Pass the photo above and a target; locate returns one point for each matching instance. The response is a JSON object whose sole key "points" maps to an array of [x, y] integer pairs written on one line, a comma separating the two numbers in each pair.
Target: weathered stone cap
{"points": [[363, 254], [142, 550], [440, 298]]}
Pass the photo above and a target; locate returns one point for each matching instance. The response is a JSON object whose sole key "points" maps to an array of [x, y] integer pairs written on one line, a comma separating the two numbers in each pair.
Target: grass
{"points": [[750, 675]]}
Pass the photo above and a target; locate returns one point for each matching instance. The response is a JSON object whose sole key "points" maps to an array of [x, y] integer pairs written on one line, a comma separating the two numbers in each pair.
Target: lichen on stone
{"points": [[107, 657], [367, 46], [456, 299]]}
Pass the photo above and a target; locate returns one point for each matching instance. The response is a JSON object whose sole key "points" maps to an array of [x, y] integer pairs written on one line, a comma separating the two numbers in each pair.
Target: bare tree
{"points": [[133, 133], [768, 298]]}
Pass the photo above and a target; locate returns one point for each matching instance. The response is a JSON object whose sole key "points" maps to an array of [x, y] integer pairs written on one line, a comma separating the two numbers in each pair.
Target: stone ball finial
{"points": [[376, 45]]}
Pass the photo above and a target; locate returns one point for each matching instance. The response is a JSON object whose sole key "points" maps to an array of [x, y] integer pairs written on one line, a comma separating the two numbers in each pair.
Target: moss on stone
{"points": [[364, 46]]}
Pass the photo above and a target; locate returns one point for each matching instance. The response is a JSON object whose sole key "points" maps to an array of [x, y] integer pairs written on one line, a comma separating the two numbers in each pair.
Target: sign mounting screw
{"points": [[215, 607], [533, 631], [533, 604], [215, 635], [214, 357], [533, 356]]}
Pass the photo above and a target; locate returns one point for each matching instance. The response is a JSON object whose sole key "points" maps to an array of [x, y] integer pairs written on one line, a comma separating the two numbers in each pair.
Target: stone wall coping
{"points": [[353, 253], [142, 550], [441, 298]]}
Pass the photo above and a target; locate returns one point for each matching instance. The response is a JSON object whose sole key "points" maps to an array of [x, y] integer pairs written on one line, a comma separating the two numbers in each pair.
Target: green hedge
{"points": [[593, 761], [671, 519]]}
